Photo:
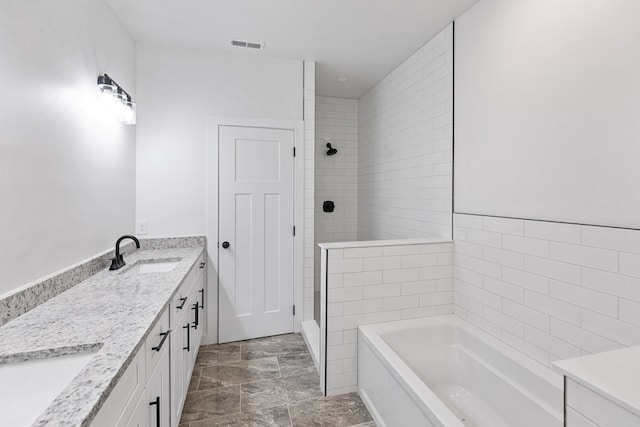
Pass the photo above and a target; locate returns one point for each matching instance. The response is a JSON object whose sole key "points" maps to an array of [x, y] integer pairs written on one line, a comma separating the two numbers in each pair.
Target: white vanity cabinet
{"points": [[152, 391], [141, 397], [586, 408], [602, 389], [187, 325]]}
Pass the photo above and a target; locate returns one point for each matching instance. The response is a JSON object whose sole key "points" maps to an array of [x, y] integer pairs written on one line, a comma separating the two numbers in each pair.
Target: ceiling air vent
{"points": [[247, 45]]}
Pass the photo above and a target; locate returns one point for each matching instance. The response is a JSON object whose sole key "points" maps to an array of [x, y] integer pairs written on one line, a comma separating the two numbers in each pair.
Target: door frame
{"points": [[212, 191]]}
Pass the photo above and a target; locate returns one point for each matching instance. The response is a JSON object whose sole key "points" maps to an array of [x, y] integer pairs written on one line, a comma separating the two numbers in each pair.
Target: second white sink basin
{"points": [[28, 388], [152, 266]]}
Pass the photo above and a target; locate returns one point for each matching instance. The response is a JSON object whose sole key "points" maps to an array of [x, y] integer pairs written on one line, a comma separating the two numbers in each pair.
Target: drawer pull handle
{"points": [[195, 307], [202, 264], [183, 302], [164, 336], [157, 405], [202, 298], [188, 347]]}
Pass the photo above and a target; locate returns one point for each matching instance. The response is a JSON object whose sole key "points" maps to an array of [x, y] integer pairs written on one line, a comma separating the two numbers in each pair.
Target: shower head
{"points": [[331, 150]]}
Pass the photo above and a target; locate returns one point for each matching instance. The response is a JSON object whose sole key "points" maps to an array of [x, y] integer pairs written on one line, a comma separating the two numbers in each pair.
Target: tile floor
{"points": [[267, 382]]}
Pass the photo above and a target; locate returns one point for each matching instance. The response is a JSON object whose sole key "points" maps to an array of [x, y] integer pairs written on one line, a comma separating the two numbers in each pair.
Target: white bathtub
{"points": [[441, 371]]}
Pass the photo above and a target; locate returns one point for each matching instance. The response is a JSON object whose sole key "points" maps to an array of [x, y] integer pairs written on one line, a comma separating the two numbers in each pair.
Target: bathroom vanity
{"points": [[118, 349], [602, 389]]}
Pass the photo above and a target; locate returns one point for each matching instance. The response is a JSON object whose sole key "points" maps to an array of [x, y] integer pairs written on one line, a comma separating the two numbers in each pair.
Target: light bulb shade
{"points": [[107, 89], [120, 95], [128, 115], [106, 86]]}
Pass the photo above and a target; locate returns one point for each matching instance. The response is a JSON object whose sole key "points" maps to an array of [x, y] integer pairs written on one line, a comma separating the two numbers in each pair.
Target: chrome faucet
{"points": [[118, 261]]}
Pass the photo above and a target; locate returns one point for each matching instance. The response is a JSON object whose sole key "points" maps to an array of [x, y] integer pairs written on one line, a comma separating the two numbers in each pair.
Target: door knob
{"points": [[225, 245]]}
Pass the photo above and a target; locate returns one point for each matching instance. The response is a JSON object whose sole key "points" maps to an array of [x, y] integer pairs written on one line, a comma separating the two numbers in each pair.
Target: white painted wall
{"points": [[337, 175], [405, 147], [67, 166], [548, 110], [179, 92]]}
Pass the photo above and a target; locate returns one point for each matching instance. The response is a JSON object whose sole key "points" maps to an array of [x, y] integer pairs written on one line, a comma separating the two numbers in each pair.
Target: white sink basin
{"points": [[152, 266], [28, 388]]}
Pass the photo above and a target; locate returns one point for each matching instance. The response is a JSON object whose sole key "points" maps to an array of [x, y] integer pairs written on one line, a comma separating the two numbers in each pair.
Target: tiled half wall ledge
{"points": [[26, 298], [372, 282]]}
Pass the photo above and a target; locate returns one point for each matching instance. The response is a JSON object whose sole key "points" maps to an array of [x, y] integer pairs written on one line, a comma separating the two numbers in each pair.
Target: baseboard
{"points": [[311, 335]]}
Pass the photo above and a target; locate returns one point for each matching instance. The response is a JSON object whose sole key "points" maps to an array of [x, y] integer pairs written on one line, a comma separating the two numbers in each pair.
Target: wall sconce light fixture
{"points": [[124, 106]]}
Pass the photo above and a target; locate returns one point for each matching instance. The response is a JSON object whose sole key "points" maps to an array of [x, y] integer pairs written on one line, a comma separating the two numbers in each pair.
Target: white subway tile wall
{"points": [[336, 176], [380, 284], [550, 290], [405, 148], [309, 186]]}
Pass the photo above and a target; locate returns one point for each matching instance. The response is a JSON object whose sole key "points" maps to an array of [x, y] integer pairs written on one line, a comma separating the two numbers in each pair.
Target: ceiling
{"points": [[360, 39]]}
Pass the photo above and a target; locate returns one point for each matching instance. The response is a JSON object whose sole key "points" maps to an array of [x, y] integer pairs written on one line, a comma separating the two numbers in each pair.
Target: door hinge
{"points": [[294, 230], [294, 151], [294, 310]]}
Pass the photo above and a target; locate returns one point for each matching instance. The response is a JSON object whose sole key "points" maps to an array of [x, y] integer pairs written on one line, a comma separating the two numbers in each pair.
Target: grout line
{"points": [[289, 413], [198, 380], [279, 369]]}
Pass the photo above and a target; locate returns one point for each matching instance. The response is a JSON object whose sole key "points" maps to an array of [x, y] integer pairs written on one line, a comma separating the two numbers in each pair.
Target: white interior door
{"points": [[256, 215]]}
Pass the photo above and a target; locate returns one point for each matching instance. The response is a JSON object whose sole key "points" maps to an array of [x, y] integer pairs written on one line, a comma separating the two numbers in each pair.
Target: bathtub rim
{"points": [[410, 383], [415, 387]]}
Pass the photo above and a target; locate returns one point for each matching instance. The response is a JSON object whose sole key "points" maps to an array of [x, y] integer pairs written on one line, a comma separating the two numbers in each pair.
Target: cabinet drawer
{"points": [[201, 265], [179, 306], [122, 400], [157, 341]]}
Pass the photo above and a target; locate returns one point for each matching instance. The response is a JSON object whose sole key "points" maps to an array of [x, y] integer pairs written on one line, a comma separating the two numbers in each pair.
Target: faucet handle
{"points": [[116, 263]]}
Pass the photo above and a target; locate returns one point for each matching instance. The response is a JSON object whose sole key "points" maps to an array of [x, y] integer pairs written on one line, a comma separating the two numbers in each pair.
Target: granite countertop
{"points": [[109, 312], [613, 374]]}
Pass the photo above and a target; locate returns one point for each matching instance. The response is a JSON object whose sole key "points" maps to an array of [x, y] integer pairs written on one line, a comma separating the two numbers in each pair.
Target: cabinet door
{"points": [[140, 415], [197, 322], [200, 287], [178, 342], [187, 354], [120, 404], [158, 393], [156, 343], [200, 281]]}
